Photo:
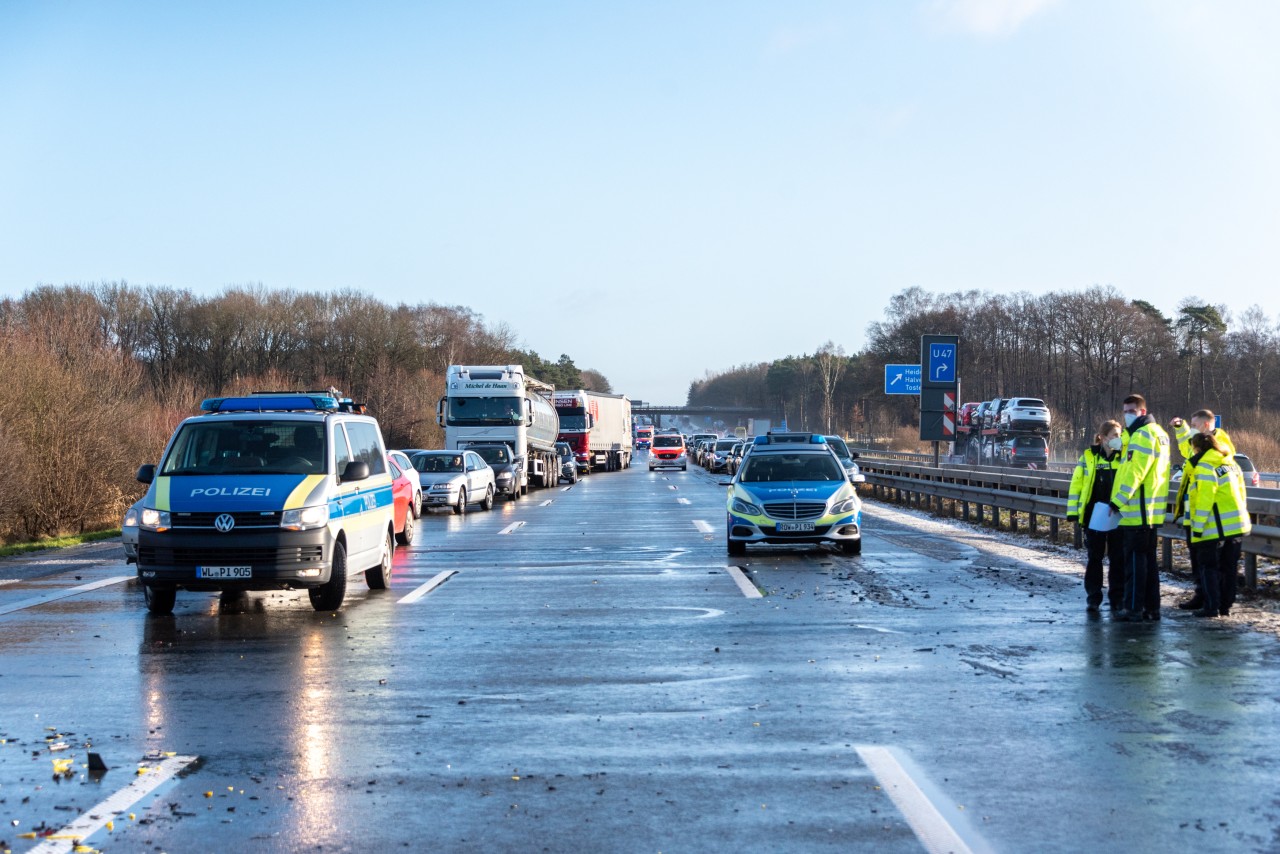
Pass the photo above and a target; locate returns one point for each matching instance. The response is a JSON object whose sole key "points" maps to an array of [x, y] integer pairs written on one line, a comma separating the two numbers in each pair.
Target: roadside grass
{"points": [[57, 542]]}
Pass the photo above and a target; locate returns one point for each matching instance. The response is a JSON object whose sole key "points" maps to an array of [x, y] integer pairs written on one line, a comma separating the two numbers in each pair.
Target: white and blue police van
{"points": [[270, 491]]}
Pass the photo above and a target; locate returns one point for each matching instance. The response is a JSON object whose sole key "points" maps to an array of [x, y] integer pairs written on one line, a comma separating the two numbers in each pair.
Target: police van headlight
{"points": [[155, 520], [746, 508], [305, 518], [130, 518], [848, 505]]}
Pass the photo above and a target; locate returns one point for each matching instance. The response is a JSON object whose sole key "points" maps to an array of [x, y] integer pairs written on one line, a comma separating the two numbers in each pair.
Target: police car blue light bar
{"points": [[791, 439], [270, 403]]}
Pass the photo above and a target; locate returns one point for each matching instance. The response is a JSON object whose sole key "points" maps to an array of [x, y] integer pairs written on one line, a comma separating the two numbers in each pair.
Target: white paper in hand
{"points": [[1102, 518]]}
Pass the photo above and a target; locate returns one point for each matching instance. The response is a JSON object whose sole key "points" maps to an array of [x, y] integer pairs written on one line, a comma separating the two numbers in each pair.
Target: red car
{"points": [[966, 413], [402, 502]]}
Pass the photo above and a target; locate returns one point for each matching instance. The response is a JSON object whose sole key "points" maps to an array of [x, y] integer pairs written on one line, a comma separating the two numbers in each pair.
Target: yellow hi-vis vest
{"points": [[1082, 478], [1216, 502], [1183, 435], [1141, 490]]}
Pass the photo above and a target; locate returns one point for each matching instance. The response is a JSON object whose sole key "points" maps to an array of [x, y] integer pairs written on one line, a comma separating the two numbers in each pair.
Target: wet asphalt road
{"points": [[592, 677]]}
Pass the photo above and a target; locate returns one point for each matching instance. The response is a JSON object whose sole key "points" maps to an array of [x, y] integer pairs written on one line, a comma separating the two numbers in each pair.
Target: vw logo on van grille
{"points": [[225, 522]]}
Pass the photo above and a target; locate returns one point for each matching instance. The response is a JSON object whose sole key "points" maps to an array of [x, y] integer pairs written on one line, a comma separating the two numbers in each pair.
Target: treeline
{"points": [[1081, 351], [97, 376]]}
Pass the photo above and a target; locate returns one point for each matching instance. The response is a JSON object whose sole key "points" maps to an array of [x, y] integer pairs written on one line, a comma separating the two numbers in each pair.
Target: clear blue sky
{"points": [[694, 185]]}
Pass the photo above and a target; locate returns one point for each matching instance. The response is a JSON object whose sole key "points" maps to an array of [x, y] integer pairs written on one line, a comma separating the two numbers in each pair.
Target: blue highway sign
{"points": [[901, 379], [942, 363]]}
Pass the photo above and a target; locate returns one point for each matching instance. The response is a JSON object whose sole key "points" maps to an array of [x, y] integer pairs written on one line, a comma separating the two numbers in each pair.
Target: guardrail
{"points": [[978, 493]]}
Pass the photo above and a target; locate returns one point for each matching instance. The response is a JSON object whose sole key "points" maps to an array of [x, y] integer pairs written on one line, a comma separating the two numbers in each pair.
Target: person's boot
{"points": [[1195, 603]]}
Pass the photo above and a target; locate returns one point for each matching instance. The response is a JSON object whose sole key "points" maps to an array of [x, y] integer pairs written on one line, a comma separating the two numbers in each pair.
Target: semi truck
{"points": [[492, 404], [598, 428]]}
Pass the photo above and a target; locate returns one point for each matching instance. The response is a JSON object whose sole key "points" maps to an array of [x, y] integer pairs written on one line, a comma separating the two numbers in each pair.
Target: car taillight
{"points": [[1254, 479]]}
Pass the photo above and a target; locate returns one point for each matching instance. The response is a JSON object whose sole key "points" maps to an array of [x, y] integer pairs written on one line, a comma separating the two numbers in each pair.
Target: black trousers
{"points": [[1219, 562], [1141, 569], [1109, 544]]}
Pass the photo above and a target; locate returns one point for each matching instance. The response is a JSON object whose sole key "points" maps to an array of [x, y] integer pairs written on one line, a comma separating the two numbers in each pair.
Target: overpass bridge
{"points": [[729, 414]]}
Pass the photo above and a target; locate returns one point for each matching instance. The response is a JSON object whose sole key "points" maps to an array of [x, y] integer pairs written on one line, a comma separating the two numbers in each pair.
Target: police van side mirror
{"points": [[355, 470], [146, 473]]}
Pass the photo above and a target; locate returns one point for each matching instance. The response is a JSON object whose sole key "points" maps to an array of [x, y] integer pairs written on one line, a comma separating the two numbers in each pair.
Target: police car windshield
{"points": [[773, 468], [438, 462], [485, 410], [247, 447]]}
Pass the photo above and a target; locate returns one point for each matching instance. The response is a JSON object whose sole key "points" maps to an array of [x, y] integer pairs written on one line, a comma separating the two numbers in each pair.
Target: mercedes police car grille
{"points": [[796, 509], [251, 556], [268, 519]]}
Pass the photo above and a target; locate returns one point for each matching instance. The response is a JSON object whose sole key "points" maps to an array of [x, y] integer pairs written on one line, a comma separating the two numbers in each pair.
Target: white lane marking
{"points": [[682, 501], [419, 592], [672, 486], [744, 584], [97, 817], [62, 594], [706, 612], [545, 503], [703, 527], [877, 629], [934, 832], [513, 526], [565, 488]]}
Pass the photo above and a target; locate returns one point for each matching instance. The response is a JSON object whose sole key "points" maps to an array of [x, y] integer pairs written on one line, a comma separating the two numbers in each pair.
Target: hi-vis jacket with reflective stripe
{"points": [[1082, 479], [1183, 434], [1141, 489], [1216, 501]]}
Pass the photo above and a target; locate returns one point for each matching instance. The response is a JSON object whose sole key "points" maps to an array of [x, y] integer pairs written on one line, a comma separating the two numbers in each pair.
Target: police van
{"points": [[266, 492]]}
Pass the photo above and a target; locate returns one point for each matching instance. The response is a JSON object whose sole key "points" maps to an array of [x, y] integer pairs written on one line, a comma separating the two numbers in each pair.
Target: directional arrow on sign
{"points": [[895, 379]]}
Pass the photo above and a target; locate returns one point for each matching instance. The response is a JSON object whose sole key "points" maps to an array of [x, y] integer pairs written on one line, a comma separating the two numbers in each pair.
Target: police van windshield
{"points": [[247, 447], [470, 411], [772, 468]]}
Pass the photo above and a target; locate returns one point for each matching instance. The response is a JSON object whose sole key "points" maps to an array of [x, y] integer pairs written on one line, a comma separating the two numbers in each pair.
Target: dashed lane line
{"points": [[682, 501], [933, 830], [423, 590], [512, 527], [68, 838], [61, 594], [702, 526], [545, 503], [744, 584]]}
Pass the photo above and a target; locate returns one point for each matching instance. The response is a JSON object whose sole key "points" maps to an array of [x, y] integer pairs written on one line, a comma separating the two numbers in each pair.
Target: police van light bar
{"points": [[270, 403]]}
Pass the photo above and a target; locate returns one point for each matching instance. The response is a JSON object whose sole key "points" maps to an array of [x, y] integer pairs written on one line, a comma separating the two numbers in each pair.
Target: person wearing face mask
{"points": [[1140, 497], [1217, 507], [1091, 484], [1201, 424]]}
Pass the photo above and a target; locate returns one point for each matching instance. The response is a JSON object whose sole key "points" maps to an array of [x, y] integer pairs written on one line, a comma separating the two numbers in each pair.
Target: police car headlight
{"points": [[155, 520], [846, 506], [305, 518], [746, 508]]}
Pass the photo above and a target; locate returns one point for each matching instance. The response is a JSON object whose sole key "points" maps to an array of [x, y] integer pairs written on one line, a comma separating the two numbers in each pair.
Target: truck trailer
{"points": [[598, 428], [491, 404]]}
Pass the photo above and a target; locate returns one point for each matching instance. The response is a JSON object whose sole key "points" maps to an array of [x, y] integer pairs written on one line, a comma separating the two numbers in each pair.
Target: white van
{"points": [[265, 492]]}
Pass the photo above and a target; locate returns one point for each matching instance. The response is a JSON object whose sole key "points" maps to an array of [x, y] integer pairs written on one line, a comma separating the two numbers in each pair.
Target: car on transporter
{"points": [[789, 492]]}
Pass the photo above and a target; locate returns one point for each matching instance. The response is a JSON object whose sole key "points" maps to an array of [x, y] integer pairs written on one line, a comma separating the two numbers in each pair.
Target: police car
{"points": [[792, 488], [264, 492]]}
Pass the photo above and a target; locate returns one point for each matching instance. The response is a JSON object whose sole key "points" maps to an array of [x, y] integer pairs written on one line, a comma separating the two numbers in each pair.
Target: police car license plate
{"points": [[795, 526], [224, 572]]}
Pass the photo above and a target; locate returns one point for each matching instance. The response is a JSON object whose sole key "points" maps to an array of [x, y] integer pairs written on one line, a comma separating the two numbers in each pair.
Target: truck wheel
{"points": [[379, 578], [329, 596], [487, 504], [159, 600], [405, 537], [460, 508]]}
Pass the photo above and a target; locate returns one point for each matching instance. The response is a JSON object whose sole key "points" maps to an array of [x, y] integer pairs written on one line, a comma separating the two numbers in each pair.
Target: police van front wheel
{"points": [[160, 600], [329, 596]]}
